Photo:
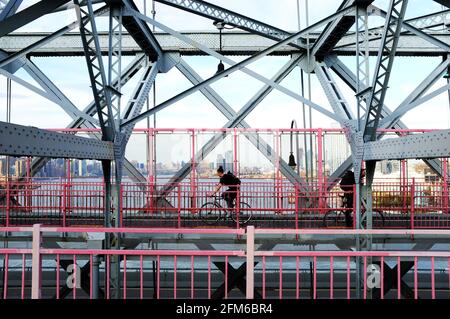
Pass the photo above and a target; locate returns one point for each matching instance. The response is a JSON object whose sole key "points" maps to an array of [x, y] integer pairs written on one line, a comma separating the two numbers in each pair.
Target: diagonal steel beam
{"points": [[137, 100], [22, 53], [28, 15], [420, 23], [334, 95], [238, 66], [444, 2], [80, 122], [350, 79], [421, 89], [235, 120], [97, 73], [18, 140], [426, 145], [53, 90], [383, 67], [417, 31], [335, 30]]}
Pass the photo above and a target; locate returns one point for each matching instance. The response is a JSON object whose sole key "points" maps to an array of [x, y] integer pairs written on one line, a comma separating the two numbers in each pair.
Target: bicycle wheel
{"points": [[245, 214], [210, 213], [333, 219]]}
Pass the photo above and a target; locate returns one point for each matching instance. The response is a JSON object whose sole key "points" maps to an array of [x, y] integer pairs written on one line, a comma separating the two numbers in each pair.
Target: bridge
{"points": [[82, 218]]}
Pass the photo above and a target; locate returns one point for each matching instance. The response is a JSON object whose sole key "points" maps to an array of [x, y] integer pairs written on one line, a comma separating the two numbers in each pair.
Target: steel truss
{"points": [[116, 124]]}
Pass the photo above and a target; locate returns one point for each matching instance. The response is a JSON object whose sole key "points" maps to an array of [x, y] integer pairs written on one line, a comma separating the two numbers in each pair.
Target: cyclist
{"points": [[232, 182]]}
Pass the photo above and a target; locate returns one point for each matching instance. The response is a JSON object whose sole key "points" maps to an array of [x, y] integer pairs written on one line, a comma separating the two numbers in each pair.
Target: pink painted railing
{"points": [[189, 274], [269, 204]]}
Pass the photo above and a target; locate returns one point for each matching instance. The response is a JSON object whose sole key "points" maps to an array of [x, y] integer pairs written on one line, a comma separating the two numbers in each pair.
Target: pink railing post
{"points": [[120, 208], [404, 186], [28, 196], [64, 204], [250, 261], [8, 199], [353, 211], [445, 180], [238, 207], [36, 263], [296, 208], [179, 204]]}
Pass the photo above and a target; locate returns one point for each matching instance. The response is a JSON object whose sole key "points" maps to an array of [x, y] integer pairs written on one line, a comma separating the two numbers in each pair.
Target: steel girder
{"points": [[135, 105], [140, 32], [350, 79], [383, 67], [237, 20], [426, 145], [18, 140], [418, 32], [97, 74], [237, 66], [334, 95], [42, 42], [336, 29], [422, 23]]}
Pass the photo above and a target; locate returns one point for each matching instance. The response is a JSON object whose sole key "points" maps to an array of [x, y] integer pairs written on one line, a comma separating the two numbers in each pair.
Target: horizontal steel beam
{"points": [[234, 43], [231, 18], [19, 140], [428, 145]]}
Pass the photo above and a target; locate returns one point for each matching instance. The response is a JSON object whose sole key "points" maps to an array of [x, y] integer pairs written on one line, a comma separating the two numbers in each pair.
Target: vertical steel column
{"points": [[403, 183], [115, 61], [250, 279], [362, 58], [362, 83], [445, 181]]}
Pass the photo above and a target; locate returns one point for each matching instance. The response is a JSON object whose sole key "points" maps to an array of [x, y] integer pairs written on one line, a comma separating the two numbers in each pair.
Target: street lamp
{"points": [[220, 25]]}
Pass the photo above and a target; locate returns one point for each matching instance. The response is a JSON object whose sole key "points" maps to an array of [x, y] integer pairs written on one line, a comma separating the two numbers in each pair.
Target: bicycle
{"points": [[336, 218], [212, 212]]}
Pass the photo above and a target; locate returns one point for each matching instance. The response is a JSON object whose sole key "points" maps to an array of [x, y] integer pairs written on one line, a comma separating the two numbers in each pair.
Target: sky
{"points": [[276, 111]]}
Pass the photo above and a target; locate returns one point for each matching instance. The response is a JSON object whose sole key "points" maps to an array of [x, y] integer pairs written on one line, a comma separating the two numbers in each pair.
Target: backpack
{"points": [[237, 181], [347, 181]]}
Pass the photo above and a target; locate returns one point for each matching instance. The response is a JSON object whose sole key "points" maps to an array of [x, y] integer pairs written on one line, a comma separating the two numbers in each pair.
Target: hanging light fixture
{"points": [[292, 164], [220, 25]]}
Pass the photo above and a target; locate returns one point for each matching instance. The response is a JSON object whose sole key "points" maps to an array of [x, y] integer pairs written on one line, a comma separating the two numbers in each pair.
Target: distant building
{"points": [[229, 160], [82, 168], [220, 161]]}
